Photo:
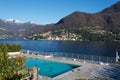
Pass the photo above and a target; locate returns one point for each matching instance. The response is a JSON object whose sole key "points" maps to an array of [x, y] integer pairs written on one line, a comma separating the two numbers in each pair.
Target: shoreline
{"points": [[59, 40]]}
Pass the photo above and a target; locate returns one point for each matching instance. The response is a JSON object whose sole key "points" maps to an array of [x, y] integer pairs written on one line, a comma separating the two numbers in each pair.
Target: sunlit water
{"points": [[76, 47]]}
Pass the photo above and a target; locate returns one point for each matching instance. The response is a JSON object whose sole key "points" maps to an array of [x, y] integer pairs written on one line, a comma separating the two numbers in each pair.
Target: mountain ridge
{"points": [[103, 25], [84, 25], [82, 18], [112, 9]]}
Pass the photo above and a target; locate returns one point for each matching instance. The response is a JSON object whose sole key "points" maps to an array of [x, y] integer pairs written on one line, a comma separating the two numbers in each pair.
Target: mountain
{"points": [[103, 25], [112, 15], [112, 9], [109, 17], [82, 19], [12, 21], [91, 26], [13, 25], [14, 28]]}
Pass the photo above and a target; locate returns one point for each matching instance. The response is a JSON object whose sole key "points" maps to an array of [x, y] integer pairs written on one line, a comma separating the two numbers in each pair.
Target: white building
{"points": [[14, 54]]}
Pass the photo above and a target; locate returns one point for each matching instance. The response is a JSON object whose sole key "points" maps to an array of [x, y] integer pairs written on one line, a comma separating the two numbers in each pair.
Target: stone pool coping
{"points": [[82, 72]]}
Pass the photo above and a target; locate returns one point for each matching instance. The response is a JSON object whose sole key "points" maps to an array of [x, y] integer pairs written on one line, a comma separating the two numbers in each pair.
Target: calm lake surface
{"points": [[76, 47]]}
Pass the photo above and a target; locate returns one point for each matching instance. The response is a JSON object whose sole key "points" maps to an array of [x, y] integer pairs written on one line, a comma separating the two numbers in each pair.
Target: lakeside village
{"points": [[47, 35], [93, 34], [60, 36], [13, 66], [83, 34]]}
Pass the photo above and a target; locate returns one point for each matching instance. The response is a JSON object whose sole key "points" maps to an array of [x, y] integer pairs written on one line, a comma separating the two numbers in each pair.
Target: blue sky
{"points": [[48, 11]]}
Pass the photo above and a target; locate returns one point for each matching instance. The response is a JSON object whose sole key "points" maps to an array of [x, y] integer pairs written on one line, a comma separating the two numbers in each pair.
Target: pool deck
{"points": [[85, 71]]}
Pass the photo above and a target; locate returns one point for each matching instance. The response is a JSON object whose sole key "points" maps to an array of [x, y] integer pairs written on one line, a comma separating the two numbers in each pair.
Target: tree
{"points": [[11, 68]]}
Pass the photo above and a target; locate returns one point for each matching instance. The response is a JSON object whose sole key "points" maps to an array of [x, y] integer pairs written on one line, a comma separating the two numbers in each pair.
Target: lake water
{"points": [[76, 47]]}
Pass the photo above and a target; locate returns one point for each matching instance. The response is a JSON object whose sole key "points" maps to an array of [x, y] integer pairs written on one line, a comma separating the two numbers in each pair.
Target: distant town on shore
{"points": [[101, 26]]}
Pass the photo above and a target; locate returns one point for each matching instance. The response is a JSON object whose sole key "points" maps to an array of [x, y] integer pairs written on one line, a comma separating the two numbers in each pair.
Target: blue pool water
{"points": [[49, 68]]}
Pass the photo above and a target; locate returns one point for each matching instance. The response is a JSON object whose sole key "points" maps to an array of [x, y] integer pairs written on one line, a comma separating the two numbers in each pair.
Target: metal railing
{"points": [[83, 57]]}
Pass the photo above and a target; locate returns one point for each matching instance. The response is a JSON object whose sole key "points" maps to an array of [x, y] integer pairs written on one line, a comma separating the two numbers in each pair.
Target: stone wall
{"points": [[33, 72]]}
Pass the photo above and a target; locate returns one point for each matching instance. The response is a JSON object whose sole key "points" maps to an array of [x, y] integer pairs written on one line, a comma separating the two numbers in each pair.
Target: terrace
{"points": [[91, 68]]}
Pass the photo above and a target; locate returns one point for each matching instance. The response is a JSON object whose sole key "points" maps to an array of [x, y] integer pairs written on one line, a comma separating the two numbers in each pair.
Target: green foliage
{"points": [[82, 33], [11, 68], [11, 47]]}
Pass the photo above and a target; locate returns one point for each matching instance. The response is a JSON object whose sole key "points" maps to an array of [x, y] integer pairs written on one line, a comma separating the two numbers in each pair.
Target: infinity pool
{"points": [[49, 68]]}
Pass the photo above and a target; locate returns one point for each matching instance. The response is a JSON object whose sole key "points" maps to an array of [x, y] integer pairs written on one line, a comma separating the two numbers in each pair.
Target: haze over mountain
{"points": [[15, 28], [12, 24], [102, 23]]}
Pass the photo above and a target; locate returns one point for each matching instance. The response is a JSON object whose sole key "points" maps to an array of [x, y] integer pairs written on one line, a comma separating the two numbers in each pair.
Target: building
{"points": [[14, 54]]}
